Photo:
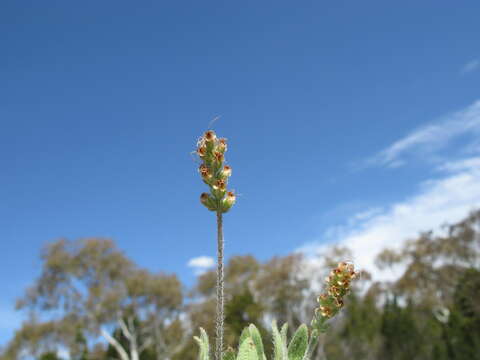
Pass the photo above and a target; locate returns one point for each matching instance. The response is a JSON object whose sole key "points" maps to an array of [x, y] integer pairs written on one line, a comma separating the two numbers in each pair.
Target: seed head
{"points": [[214, 173], [338, 285]]}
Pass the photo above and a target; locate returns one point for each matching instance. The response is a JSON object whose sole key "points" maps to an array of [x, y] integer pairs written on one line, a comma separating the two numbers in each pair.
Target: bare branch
{"points": [[112, 341]]}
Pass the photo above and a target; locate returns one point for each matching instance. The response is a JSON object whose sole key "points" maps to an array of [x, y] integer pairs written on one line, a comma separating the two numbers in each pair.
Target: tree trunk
{"points": [[116, 345]]}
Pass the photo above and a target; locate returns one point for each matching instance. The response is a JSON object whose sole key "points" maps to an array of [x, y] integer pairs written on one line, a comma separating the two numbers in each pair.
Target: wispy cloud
{"points": [[470, 66], [447, 198], [201, 264], [430, 139]]}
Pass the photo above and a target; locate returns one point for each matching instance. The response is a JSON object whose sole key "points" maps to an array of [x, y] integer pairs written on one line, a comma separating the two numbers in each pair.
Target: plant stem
{"points": [[220, 298]]}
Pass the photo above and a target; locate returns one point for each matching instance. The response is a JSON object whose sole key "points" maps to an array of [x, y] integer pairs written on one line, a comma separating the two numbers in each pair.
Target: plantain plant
{"points": [[211, 151]]}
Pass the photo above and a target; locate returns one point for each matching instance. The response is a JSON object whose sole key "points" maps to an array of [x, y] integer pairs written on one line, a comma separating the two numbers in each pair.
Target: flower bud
{"points": [[322, 298], [219, 188], [218, 156], [325, 311], [226, 171], [228, 201], [339, 302], [204, 171], [220, 184], [230, 198], [201, 151], [209, 136], [222, 145], [207, 200]]}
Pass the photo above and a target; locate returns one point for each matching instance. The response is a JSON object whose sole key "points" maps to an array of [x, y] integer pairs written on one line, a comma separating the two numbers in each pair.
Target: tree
{"points": [[87, 288], [49, 356], [463, 328], [401, 338], [281, 290], [240, 311], [433, 264]]}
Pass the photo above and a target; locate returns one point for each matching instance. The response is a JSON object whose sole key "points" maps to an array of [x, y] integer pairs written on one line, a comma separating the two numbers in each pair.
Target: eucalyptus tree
{"points": [[434, 262], [91, 287]]}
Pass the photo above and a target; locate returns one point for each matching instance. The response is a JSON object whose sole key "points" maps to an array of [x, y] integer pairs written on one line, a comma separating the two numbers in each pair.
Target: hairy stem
{"points": [[220, 298]]}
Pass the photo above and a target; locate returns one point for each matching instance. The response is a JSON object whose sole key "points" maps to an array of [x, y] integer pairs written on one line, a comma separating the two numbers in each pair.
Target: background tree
{"points": [[401, 338], [281, 288], [89, 286], [463, 329], [49, 356]]}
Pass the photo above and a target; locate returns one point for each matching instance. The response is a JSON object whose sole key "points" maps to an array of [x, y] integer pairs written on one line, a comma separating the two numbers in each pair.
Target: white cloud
{"points": [[201, 264], [470, 66], [428, 139], [448, 198], [464, 164]]}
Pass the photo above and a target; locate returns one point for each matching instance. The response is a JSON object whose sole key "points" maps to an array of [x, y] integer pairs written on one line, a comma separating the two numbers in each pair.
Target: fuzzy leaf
{"points": [[204, 345], [284, 333], [247, 350], [312, 344], [279, 346], [243, 336], [299, 344], [257, 340]]}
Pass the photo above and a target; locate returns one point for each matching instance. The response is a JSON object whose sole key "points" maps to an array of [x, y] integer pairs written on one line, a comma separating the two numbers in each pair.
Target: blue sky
{"points": [[350, 122]]}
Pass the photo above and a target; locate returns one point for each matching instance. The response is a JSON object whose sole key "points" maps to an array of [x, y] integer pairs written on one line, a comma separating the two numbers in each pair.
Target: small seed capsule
{"points": [[226, 171], [209, 136]]}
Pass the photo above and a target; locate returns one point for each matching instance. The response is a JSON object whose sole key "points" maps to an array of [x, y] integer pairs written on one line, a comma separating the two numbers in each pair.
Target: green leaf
{"points": [[257, 340], [312, 344], [299, 344], [244, 335], [203, 344], [279, 346], [284, 333], [247, 350]]}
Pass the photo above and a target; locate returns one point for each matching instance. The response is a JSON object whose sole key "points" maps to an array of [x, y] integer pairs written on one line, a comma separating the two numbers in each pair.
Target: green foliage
{"points": [[247, 350], [402, 339], [279, 343], [299, 344], [229, 354], [463, 328], [251, 345], [441, 273], [49, 356], [204, 345], [257, 340], [240, 311]]}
